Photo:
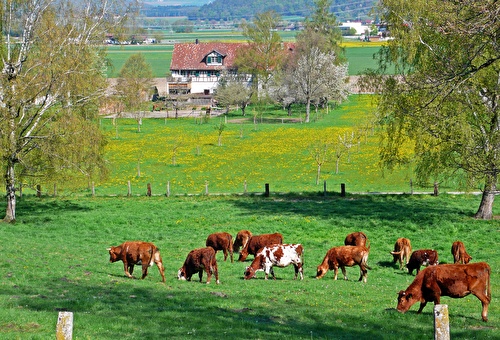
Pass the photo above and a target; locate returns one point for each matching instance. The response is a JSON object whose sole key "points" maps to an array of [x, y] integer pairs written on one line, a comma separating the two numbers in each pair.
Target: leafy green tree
{"points": [[265, 51], [444, 101], [135, 85], [51, 83], [324, 22]]}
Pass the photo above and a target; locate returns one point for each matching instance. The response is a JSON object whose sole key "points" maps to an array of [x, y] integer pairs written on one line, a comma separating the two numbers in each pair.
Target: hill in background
{"points": [[229, 10]]}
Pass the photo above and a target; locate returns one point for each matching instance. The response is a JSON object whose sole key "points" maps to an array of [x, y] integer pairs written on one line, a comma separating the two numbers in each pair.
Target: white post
{"points": [[206, 188], [441, 323], [64, 329], [129, 189], [168, 188]]}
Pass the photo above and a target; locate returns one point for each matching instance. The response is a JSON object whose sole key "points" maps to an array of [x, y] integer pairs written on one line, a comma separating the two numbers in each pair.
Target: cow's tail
{"points": [[488, 287]]}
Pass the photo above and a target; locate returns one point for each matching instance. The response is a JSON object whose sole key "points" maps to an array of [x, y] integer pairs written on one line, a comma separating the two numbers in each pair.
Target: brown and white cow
{"points": [[259, 241], [459, 253], [357, 239], [453, 280], [241, 240], [221, 241], [402, 250], [345, 256], [197, 261], [137, 252], [422, 257], [279, 255]]}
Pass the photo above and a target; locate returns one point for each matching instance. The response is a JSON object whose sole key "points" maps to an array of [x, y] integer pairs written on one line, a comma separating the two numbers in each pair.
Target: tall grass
{"points": [[55, 259]]}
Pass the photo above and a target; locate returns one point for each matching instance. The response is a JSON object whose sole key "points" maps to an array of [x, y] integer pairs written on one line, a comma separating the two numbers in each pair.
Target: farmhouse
{"points": [[196, 67]]}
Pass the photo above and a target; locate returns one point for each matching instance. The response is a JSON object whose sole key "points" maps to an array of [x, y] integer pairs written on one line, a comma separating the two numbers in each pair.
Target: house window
{"points": [[219, 59], [209, 60]]}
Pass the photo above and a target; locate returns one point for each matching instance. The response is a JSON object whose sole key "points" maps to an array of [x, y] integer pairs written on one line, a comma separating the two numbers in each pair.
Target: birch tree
{"points": [[51, 82], [444, 101]]}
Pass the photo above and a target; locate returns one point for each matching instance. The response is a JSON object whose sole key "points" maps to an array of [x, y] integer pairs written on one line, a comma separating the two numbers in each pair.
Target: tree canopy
{"points": [[52, 81], [444, 102]]}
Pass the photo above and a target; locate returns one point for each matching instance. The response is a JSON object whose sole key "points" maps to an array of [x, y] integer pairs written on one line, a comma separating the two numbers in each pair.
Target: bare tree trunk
{"points": [[337, 167], [308, 110], [317, 175], [485, 211], [289, 110], [10, 215]]}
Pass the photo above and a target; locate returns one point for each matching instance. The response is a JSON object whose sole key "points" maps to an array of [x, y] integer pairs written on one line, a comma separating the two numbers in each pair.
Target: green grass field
{"points": [[54, 259]]}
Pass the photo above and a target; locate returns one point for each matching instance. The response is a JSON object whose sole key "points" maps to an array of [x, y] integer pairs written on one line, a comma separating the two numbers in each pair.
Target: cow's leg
{"points": [[480, 291], [344, 272], [209, 274], [144, 271], [336, 271], [231, 254], [162, 270], [216, 272], [200, 275], [301, 271], [422, 305], [272, 273], [129, 269], [224, 250], [296, 271]]}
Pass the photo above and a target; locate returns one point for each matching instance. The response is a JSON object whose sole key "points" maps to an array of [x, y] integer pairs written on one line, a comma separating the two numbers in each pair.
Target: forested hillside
{"points": [[236, 9]]}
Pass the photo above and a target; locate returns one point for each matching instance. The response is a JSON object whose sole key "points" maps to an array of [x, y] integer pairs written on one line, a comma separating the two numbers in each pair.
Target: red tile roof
{"points": [[190, 56]]}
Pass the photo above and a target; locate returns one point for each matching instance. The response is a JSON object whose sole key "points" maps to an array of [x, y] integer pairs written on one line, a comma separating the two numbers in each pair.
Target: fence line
{"points": [[266, 193]]}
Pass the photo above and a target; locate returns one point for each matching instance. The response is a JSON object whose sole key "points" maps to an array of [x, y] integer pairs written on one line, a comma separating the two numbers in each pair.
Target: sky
{"points": [[177, 2]]}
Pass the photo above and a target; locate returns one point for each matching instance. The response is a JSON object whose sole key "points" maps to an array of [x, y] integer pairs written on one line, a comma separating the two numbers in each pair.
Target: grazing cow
{"points": [[221, 241], [422, 257], [459, 253], [356, 239], [453, 280], [197, 261], [241, 240], [136, 252], [345, 256], [402, 249], [259, 241], [280, 255]]}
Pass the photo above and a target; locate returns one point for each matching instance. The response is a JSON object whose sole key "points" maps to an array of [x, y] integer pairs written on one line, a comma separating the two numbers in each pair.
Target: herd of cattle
{"points": [[454, 280]]}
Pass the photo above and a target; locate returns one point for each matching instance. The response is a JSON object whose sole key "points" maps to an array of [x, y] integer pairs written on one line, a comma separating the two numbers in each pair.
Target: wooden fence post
{"points": [[93, 189], [266, 194], [38, 191], [55, 190], [245, 187], [206, 188], [342, 190], [411, 186], [441, 322], [129, 189], [435, 188], [149, 190], [64, 330], [324, 188], [168, 188]]}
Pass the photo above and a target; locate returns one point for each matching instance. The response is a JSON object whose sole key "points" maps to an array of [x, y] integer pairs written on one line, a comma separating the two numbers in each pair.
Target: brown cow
{"points": [[221, 241], [459, 253], [453, 280], [345, 256], [356, 239], [422, 257], [259, 241], [197, 261], [241, 239], [136, 252], [402, 249], [280, 255]]}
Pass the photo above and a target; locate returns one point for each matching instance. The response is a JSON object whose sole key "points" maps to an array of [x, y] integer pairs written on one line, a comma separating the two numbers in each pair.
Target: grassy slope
{"points": [[54, 259]]}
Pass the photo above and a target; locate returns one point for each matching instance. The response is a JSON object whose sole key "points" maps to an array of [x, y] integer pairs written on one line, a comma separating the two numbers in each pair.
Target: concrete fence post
{"points": [[168, 188], [64, 329], [129, 189], [441, 323]]}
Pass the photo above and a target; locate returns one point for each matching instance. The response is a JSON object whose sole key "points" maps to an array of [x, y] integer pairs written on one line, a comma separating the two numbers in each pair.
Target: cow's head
{"points": [[243, 255], [181, 274], [405, 301], [467, 258], [112, 255], [321, 272], [249, 273]]}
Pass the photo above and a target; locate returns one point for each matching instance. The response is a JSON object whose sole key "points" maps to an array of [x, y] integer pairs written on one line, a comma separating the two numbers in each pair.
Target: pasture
{"points": [[54, 259]]}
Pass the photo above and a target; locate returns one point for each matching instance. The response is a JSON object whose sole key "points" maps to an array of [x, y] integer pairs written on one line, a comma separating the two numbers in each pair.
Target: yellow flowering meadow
{"points": [[278, 154]]}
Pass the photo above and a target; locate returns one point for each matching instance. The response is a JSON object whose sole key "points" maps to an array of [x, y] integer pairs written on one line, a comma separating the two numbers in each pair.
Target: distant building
{"points": [[196, 67]]}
